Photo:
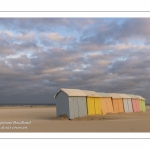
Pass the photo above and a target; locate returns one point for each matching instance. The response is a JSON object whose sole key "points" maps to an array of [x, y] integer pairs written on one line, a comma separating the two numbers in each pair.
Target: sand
{"points": [[43, 119]]}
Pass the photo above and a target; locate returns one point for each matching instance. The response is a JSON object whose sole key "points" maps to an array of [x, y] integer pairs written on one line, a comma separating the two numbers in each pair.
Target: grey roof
{"points": [[114, 95], [102, 94], [71, 92], [91, 93]]}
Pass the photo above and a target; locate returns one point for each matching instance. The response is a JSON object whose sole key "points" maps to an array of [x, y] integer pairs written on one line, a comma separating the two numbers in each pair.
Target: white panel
{"points": [[125, 104], [130, 105], [82, 106]]}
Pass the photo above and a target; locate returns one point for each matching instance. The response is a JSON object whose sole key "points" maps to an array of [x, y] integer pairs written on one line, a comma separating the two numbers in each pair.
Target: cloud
{"points": [[38, 56]]}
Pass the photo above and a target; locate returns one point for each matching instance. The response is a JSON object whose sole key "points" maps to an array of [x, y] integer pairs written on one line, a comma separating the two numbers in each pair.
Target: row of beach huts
{"points": [[78, 103]]}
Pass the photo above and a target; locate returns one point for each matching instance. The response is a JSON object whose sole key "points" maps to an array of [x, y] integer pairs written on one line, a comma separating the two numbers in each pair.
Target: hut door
{"points": [[73, 104], [109, 105], [125, 104], [115, 105], [130, 105], [143, 106], [134, 105], [138, 105], [90, 105], [98, 107], [120, 105], [104, 106], [82, 106]]}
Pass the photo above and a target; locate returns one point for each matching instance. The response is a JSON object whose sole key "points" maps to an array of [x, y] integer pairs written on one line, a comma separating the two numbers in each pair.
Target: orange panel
{"points": [[115, 105], [120, 105], [104, 106], [109, 105]]}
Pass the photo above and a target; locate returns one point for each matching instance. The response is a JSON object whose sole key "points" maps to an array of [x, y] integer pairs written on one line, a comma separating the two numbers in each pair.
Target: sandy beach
{"points": [[43, 119]]}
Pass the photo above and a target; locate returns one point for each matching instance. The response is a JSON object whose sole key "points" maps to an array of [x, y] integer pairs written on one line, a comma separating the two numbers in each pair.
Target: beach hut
{"points": [[135, 103], [142, 103], [117, 102], [71, 102], [127, 103], [106, 101], [93, 102]]}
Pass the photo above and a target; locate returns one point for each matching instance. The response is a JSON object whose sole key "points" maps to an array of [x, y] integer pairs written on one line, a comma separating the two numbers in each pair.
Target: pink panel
{"points": [[134, 105], [138, 105]]}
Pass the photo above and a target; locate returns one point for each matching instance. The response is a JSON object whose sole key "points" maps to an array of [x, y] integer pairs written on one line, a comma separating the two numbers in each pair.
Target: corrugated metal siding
{"points": [[62, 104], [138, 105], [134, 105], [143, 106], [104, 105], [98, 106], [130, 105], [125, 104], [120, 105], [82, 106], [109, 105], [73, 107], [90, 106], [115, 105]]}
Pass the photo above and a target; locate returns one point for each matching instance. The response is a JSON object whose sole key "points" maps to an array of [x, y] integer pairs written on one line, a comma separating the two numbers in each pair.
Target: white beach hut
{"points": [[127, 103], [71, 102]]}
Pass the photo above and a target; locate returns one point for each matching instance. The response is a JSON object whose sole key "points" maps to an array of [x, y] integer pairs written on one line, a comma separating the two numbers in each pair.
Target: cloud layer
{"points": [[40, 56]]}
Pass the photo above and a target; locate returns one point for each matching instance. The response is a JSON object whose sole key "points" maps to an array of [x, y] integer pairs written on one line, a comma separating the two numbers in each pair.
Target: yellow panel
{"points": [[120, 104], [109, 105], [98, 107], [104, 106], [90, 106]]}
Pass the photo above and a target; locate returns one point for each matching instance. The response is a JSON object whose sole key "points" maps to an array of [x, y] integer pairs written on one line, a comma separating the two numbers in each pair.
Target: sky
{"points": [[38, 56]]}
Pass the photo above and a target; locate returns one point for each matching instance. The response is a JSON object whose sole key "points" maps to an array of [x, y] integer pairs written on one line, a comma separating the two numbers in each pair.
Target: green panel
{"points": [[143, 106]]}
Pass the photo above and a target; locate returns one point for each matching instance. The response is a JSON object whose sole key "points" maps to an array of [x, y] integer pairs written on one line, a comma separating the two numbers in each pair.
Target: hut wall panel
{"points": [[91, 107], [130, 105], [134, 105], [125, 104], [143, 106], [62, 104], [82, 106], [73, 107], [137, 105], [98, 105], [120, 105], [115, 105], [109, 105], [104, 106]]}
